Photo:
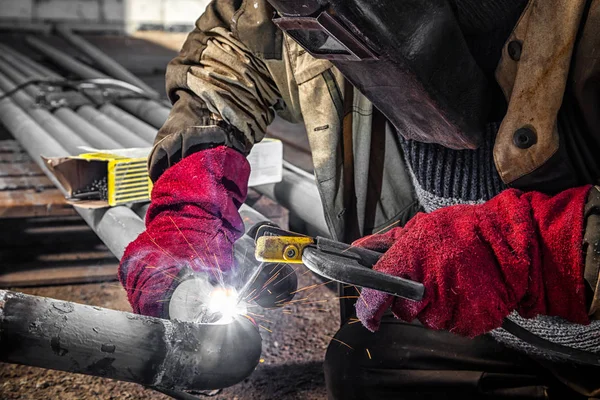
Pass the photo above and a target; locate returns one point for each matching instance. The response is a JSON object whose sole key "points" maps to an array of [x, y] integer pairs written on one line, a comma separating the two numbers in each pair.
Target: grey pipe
{"points": [[135, 125], [149, 111], [155, 352], [299, 194], [25, 130], [105, 63], [63, 59], [116, 131], [94, 136], [23, 62], [64, 125], [44, 118]]}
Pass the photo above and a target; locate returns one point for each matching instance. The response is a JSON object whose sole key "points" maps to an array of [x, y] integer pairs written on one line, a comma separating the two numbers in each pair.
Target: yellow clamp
{"points": [[284, 249]]}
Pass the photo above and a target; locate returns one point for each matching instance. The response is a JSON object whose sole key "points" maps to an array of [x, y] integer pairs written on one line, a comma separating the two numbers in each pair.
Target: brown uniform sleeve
{"points": [[220, 87], [591, 248]]}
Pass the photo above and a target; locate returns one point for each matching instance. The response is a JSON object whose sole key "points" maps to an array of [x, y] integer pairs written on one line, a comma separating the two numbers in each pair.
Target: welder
{"points": [[461, 135]]}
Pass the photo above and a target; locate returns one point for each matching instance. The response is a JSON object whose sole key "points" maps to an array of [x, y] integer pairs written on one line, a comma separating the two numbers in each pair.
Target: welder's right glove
{"points": [[192, 222], [478, 263]]}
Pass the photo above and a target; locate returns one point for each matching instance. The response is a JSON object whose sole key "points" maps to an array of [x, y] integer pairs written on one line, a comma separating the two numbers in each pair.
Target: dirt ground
{"points": [[290, 367]]}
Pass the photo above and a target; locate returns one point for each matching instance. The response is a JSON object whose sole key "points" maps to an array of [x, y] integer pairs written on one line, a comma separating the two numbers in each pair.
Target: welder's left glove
{"points": [[191, 226], [518, 251]]}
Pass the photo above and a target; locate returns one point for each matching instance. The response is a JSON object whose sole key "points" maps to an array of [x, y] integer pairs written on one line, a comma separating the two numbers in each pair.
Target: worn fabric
{"points": [[443, 177], [556, 57], [192, 223], [478, 263], [408, 361]]}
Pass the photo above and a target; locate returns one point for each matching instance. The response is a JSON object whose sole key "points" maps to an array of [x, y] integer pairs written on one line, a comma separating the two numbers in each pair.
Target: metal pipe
{"points": [[149, 111], [299, 194], [64, 124], [135, 125], [63, 59], [94, 136], [44, 118], [113, 129], [155, 352], [23, 62], [25, 130], [105, 63]]}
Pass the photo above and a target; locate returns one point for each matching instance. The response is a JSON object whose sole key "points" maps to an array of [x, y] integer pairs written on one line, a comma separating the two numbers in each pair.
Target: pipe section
{"points": [[155, 352], [107, 64]]}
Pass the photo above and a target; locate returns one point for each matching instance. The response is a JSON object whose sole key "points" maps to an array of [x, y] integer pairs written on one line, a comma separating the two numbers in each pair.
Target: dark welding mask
{"points": [[408, 57]]}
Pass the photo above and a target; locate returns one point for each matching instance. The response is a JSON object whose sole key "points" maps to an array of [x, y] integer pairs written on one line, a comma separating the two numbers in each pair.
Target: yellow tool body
{"points": [[128, 179], [282, 249]]}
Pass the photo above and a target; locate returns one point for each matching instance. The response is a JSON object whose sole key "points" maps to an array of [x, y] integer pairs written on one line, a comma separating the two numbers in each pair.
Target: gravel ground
{"points": [[290, 368]]}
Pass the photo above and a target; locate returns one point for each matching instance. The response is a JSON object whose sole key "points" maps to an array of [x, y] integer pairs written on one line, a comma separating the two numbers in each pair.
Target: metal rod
{"points": [[105, 63], [135, 125], [113, 129], [176, 355]]}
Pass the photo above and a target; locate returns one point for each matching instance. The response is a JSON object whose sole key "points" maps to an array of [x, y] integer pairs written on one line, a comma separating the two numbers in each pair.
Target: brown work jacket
{"points": [[236, 66]]}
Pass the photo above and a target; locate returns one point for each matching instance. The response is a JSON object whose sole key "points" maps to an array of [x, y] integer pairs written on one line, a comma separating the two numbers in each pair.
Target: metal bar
{"points": [[135, 125], [105, 63], [112, 128], [177, 355]]}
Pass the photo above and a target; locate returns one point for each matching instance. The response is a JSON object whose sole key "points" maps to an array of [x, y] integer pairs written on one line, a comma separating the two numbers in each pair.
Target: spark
{"points": [[353, 321], [339, 341], [369, 354], [282, 279], [157, 245], [266, 329], [311, 287]]}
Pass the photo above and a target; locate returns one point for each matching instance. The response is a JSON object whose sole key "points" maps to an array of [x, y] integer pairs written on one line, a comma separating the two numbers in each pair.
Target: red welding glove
{"points": [[518, 251], [192, 222]]}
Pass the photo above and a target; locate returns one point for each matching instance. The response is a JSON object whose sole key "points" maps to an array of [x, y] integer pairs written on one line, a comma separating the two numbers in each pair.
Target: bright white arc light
{"points": [[225, 301]]}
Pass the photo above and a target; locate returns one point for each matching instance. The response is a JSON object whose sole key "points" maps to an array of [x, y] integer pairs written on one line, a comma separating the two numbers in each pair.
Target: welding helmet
{"points": [[408, 57]]}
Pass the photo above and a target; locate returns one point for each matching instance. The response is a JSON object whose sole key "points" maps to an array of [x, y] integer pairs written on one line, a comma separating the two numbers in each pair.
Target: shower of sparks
{"points": [[339, 341]]}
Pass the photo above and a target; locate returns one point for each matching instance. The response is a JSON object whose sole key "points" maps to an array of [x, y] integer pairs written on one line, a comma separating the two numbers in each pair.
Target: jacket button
{"points": [[514, 50], [524, 138]]}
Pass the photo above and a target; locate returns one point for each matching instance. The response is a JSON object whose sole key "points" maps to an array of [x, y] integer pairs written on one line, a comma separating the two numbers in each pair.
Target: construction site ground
{"points": [[295, 339]]}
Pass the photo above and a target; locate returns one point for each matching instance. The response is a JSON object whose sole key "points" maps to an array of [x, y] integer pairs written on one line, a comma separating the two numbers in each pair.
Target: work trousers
{"points": [[408, 361]]}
